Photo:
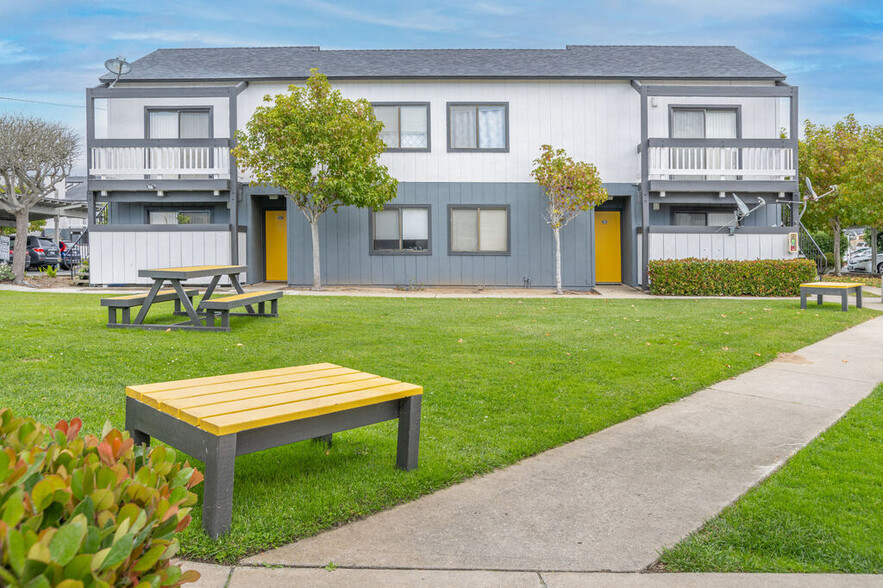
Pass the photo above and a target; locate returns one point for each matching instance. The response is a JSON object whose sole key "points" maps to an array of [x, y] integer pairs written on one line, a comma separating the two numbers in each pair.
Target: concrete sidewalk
{"points": [[612, 500]]}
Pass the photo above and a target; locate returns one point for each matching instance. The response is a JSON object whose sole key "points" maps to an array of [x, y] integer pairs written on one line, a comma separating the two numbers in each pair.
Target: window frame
{"points": [[705, 107], [451, 149], [704, 213], [400, 251], [479, 207], [428, 147], [180, 210], [209, 109]]}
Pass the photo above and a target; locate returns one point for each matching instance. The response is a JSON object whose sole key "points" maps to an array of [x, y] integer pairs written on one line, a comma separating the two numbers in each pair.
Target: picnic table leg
{"points": [[217, 503], [844, 300], [409, 433], [211, 288], [157, 284], [858, 297], [185, 302], [234, 279]]}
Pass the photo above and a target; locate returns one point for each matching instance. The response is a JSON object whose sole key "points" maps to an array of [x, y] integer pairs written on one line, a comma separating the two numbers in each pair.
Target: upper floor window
{"points": [[179, 123], [400, 229], [479, 230], [696, 218], [405, 126], [478, 127], [704, 123]]}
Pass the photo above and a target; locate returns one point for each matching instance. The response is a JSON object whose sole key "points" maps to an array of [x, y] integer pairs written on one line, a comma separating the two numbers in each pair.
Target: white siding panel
{"points": [[717, 246]]}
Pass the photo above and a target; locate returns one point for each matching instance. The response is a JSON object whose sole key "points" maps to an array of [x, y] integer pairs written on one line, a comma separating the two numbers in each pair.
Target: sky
{"points": [[52, 50]]}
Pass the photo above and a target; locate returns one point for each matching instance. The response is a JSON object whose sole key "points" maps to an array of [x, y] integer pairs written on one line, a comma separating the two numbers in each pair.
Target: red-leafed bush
{"points": [[713, 277]]}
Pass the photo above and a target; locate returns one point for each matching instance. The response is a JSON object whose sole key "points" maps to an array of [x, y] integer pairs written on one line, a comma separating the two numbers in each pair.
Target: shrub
{"points": [[711, 277], [6, 273], [86, 511]]}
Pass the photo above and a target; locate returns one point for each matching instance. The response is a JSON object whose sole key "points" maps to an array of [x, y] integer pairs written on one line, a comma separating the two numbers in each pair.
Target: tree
{"points": [[849, 156], [35, 155], [321, 149], [572, 187], [33, 226]]}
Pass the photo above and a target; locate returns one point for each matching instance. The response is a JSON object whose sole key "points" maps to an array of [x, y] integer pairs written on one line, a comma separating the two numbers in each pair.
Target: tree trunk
{"points": [[21, 245], [838, 262], [557, 234], [317, 266]]}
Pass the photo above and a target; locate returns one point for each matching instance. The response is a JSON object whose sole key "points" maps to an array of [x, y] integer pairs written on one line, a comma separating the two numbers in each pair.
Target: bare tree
{"points": [[35, 155]]}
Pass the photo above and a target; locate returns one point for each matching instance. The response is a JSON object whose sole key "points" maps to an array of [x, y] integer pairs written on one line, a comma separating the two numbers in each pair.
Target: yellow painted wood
{"points": [[236, 402], [233, 423], [134, 296], [147, 389], [608, 247], [834, 285], [197, 414], [276, 245], [236, 297]]}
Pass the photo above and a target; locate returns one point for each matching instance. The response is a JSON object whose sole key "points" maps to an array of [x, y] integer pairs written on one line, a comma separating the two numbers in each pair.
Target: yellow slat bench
{"points": [[224, 304], [217, 418], [126, 303], [821, 289]]}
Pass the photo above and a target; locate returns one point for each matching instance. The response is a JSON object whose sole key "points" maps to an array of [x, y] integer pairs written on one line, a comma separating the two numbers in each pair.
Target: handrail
{"points": [[669, 142], [818, 256], [159, 143]]}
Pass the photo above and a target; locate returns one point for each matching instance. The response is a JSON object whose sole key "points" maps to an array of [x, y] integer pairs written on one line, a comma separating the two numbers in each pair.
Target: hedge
{"points": [[713, 277], [83, 511]]}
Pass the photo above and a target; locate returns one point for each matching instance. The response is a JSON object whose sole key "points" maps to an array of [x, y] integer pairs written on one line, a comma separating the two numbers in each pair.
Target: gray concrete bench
{"points": [[222, 305], [126, 303]]}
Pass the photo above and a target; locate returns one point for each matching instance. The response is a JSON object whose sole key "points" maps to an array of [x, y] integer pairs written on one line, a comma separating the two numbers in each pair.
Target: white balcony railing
{"points": [[684, 160], [160, 162]]}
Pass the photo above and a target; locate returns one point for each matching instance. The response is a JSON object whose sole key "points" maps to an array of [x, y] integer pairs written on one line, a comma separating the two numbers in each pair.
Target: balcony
{"points": [[752, 165], [137, 164]]}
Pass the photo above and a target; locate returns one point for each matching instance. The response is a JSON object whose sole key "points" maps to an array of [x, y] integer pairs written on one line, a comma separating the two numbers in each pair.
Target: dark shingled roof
{"points": [[577, 61]]}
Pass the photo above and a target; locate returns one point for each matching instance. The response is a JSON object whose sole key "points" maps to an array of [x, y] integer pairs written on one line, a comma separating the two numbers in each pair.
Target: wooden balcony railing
{"points": [[160, 159]]}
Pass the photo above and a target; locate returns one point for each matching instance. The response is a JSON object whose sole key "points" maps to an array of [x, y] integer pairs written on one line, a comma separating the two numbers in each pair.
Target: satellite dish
{"points": [[118, 66], [812, 193], [743, 208], [742, 211]]}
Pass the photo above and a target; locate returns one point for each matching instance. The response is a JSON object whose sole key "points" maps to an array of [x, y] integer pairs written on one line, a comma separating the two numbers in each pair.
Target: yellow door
{"points": [[276, 239], [608, 247]]}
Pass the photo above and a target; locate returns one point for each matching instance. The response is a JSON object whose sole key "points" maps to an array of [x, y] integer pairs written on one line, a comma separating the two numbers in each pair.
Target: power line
{"points": [[43, 102]]}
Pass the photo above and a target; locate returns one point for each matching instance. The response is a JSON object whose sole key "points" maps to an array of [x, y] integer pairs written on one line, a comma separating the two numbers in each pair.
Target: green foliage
{"points": [[80, 512], [34, 226], [6, 273], [571, 186], [50, 271], [319, 147], [825, 241], [712, 277]]}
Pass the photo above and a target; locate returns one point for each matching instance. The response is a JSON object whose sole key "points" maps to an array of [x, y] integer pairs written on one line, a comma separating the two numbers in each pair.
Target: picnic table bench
{"points": [[217, 418], [126, 303], [820, 289]]}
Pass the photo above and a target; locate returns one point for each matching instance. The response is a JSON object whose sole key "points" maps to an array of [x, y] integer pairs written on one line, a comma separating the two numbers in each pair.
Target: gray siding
{"points": [[135, 213], [345, 242], [768, 216]]}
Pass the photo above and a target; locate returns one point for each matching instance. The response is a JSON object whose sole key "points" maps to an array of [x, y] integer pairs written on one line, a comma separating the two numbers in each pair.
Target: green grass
{"points": [[503, 379], [822, 512]]}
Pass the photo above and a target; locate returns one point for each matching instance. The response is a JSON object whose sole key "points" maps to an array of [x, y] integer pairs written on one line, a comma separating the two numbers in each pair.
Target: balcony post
{"points": [[645, 191], [794, 135], [234, 185]]}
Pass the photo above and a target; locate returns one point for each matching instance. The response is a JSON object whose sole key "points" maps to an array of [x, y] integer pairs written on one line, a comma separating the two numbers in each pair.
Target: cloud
{"points": [[11, 53], [425, 20], [172, 36], [495, 8]]}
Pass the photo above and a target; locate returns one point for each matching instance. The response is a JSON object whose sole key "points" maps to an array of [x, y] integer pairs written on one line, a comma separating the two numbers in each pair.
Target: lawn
{"points": [[822, 512], [503, 379]]}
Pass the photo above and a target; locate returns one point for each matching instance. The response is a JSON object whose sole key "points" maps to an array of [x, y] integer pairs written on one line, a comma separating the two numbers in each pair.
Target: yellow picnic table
{"points": [[216, 418]]}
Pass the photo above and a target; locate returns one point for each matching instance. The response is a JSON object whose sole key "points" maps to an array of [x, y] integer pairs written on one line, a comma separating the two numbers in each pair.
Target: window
{"points": [[689, 218], [405, 126], [704, 123], [479, 230], [179, 217], [478, 127], [185, 123], [400, 229]]}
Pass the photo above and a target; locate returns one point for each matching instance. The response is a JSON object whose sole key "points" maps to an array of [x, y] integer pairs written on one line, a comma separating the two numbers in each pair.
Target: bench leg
{"points": [[209, 318], [844, 300], [217, 502], [409, 433], [260, 308], [127, 316], [274, 307], [326, 439], [819, 299], [803, 300], [178, 305], [111, 315], [858, 298], [139, 437], [225, 319]]}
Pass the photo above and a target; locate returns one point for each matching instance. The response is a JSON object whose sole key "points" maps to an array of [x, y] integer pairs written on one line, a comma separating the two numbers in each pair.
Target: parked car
{"points": [[12, 252], [41, 251], [862, 262]]}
